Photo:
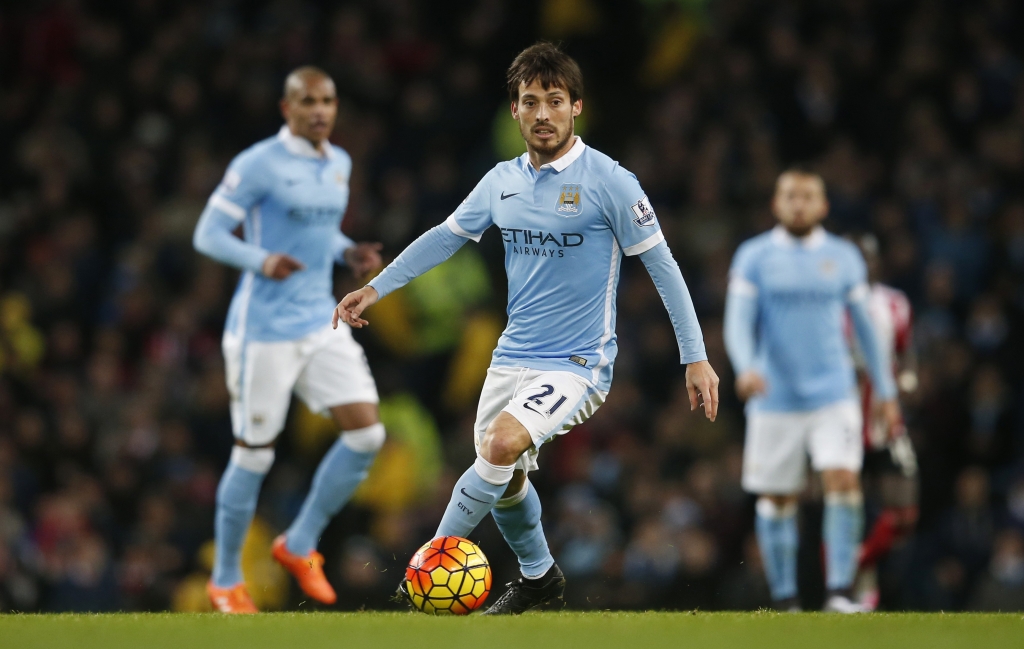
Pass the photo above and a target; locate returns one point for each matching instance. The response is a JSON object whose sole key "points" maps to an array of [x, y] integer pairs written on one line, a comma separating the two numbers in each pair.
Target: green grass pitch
{"points": [[532, 631]]}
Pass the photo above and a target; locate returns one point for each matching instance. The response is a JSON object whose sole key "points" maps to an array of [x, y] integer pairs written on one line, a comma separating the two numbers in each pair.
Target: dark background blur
{"points": [[117, 119]]}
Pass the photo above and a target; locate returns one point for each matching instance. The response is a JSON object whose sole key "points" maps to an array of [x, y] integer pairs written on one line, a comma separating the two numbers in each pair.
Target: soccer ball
{"points": [[448, 576]]}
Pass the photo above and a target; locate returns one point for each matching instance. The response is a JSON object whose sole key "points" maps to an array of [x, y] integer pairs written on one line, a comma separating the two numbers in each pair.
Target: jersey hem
{"points": [[758, 405], [550, 366]]}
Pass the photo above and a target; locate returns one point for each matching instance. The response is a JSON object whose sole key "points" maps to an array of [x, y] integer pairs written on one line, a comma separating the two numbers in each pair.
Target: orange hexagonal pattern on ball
{"points": [[448, 576]]}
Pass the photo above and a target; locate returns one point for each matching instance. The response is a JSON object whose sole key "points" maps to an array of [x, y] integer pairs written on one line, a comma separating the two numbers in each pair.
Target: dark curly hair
{"points": [[546, 63]]}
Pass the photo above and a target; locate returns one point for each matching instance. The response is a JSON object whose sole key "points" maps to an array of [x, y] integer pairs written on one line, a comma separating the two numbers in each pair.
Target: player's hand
{"points": [[888, 412], [702, 380], [364, 258], [352, 306], [279, 266], [750, 384]]}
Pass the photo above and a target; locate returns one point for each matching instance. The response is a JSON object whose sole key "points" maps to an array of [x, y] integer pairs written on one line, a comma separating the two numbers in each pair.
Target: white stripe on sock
{"points": [[492, 473], [365, 440], [256, 460], [766, 508]]}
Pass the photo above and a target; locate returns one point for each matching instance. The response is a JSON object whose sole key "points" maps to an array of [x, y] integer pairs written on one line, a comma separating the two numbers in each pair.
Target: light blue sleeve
{"points": [[473, 215], [670, 284], [244, 186], [741, 305], [215, 238], [876, 354], [430, 249], [629, 213], [740, 325], [341, 244]]}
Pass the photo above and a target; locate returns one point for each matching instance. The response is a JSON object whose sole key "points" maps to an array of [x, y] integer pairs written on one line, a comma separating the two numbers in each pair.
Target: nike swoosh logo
{"points": [[504, 195], [471, 497]]}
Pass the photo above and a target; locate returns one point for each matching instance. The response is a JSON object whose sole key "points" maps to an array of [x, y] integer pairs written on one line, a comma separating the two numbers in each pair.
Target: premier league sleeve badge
{"points": [[643, 212]]}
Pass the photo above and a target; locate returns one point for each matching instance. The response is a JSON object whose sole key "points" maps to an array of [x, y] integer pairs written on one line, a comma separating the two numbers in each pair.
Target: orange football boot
{"points": [[231, 600], [307, 570]]}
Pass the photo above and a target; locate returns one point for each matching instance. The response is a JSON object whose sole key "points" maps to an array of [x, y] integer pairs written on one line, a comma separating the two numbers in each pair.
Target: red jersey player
{"points": [[890, 466]]}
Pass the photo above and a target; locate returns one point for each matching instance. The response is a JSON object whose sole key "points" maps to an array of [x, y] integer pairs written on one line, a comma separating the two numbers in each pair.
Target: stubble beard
{"points": [[548, 149]]}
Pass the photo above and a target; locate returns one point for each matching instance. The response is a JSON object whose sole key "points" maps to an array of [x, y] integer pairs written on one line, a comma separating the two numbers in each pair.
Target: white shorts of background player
{"points": [[326, 368], [778, 444], [545, 402]]}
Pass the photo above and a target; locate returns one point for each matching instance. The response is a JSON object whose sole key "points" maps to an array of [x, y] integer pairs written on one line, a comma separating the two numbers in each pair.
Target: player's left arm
{"points": [[668, 279], [361, 258], [906, 355], [876, 353], [638, 232]]}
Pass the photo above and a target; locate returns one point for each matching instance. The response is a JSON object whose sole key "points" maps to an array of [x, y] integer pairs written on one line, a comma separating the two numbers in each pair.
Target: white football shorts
{"points": [[778, 443], [325, 368], [546, 403]]}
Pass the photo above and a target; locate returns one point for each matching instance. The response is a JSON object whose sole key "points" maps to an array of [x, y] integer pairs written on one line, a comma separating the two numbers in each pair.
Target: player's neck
{"points": [[538, 159], [802, 232], [318, 146]]}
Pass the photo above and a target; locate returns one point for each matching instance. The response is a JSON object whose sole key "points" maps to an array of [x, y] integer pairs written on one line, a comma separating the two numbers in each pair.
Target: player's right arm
{"points": [[741, 324], [468, 221], [243, 187]]}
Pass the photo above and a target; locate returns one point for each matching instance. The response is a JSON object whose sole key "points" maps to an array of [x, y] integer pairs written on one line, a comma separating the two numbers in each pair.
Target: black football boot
{"points": [[524, 594], [401, 596]]}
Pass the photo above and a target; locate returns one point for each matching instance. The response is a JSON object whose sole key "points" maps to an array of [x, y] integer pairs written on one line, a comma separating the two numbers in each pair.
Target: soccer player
{"points": [[288, 193], [890, 464], [567, 214], [789, 290]]}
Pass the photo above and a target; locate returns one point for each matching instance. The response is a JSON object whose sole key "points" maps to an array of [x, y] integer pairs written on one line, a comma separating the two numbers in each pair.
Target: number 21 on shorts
{"points": [[539, 399]]}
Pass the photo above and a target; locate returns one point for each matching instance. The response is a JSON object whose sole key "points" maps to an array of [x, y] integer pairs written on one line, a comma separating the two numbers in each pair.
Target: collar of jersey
{"points": [[300, 146], [562, 163], [813, 240]]}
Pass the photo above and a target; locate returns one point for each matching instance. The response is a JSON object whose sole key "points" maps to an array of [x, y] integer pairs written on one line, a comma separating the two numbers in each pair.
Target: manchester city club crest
{"points": [[570, 201]]}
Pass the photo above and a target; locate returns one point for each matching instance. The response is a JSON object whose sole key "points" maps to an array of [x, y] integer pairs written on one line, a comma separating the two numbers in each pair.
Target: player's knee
{"points": [[775, 506], [256, 460], [504, 440], [502, 445], [840, 481], [365, 440]]}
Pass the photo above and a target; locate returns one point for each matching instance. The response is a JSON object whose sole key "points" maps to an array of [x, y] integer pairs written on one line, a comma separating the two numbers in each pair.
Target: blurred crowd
{"points": [[117, 120]]}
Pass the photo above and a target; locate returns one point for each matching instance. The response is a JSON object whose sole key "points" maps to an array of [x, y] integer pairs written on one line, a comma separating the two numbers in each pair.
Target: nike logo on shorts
{"points": [[504, 195], [471, 497]]}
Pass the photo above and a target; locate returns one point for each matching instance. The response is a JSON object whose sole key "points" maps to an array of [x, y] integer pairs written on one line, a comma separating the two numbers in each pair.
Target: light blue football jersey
{"points": [[800, 290], [290, 199], [565, 229]]}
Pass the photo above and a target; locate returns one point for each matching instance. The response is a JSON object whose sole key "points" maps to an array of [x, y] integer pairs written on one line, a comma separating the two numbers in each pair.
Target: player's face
{"points": [[545, 117], [799, 202], [311, 109]]}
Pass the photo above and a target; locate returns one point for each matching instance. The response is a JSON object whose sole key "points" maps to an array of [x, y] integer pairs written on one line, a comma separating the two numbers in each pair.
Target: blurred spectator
{"points": [[1002, 589]]}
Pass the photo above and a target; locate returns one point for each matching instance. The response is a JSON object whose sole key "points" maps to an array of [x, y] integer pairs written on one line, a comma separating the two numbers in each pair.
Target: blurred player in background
{"points": [[567, 213], [789, 291], [289, 193], [890, 465]]}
